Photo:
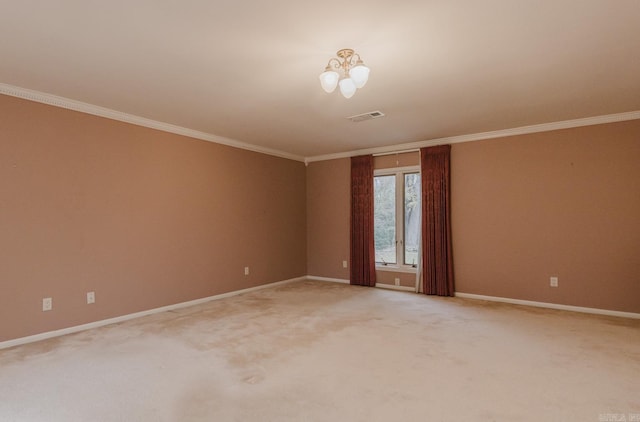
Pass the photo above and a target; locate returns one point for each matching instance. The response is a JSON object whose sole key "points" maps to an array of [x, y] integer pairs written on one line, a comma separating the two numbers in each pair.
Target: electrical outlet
{"points": [[397, 281], [553, 281], [246, 270], [47, 304], [344, 264], [91, 297]]}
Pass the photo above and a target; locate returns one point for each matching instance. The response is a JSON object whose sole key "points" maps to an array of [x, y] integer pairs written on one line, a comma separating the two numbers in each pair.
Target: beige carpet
{"points": [[313, 351]]}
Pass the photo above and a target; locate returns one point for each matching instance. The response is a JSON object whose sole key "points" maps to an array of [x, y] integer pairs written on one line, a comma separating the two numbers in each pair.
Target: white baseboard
{"points": [[393, 287], [102, 323], [331, 280], [550, 305], [379, 285], [97, 324]]}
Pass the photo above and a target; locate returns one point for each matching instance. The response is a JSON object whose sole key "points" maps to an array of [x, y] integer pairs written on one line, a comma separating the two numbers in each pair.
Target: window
{"points": [[397, 216]]}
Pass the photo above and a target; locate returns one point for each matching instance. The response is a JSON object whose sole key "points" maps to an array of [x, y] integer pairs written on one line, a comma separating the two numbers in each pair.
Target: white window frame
{"points": [[399, 172]]}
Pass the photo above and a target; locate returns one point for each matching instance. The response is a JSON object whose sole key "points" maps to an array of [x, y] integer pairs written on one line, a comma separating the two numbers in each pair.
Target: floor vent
{"points": [[366, 116]]}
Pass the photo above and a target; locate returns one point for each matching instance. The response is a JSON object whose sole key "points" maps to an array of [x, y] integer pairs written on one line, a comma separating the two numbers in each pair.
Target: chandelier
{"points": [[355, 73]]}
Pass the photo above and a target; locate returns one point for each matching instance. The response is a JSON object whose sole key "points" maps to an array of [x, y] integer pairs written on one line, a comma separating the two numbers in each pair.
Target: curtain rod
{"points": [[396, 152]]}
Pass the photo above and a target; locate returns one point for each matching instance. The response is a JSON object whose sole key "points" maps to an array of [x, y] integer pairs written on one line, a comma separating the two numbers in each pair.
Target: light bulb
{"points": [[347, 87], [329, 80], [360, 74]]}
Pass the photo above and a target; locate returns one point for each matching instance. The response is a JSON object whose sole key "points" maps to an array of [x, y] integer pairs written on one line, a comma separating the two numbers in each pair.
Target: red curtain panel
{"points": [[363, 265], [437, 257]]}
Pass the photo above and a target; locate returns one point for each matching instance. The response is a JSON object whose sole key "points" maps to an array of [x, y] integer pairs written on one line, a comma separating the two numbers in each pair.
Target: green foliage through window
{"points": [[384, 188], [397, 196]]}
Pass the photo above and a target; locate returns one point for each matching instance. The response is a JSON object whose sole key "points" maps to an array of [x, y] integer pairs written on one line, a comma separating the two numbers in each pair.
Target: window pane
{"points": [[384, 203], [411, 217]]}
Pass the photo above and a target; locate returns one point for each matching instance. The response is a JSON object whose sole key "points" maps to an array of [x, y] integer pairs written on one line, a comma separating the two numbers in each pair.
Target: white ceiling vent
{"points": [[366, 116]]}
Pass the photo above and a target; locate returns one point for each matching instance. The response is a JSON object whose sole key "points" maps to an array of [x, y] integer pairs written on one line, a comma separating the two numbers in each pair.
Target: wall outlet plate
{"points": [[246, 270], [553, 281], [91, 297], [47, 304]]}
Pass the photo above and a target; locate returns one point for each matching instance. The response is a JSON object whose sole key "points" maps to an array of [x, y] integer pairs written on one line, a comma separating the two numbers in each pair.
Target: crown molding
{"points": [[523, 130], [81, 107], [54, 100]]}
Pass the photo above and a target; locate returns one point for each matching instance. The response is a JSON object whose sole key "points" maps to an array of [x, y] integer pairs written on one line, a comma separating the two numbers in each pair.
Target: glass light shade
{"points": [[347, 87], [359, 74], [329, 80]]}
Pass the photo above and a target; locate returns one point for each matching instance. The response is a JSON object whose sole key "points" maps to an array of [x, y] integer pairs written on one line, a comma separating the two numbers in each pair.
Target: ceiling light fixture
{"points": [[355, 73]]}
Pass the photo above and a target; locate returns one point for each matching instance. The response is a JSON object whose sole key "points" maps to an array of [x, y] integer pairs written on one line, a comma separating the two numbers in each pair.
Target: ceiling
{"points": [[248, 71]]}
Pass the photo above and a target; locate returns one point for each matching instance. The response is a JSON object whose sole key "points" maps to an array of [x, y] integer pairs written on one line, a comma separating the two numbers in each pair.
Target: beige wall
{"points": [[563, 203], [142, 217], [388, 161], [389, 277], [328, 199], [146, 218]]}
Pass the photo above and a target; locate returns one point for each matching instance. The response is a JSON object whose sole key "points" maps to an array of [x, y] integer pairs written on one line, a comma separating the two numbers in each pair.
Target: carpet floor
{"points": [[315, 351]]}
